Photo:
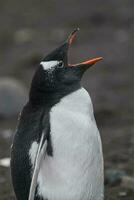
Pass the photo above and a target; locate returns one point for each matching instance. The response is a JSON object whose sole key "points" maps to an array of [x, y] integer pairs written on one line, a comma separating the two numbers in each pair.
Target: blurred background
{"points": [[31, 29]]}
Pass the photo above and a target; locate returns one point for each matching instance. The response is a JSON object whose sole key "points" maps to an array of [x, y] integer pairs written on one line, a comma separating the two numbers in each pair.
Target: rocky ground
{"points": [[30, 30]]}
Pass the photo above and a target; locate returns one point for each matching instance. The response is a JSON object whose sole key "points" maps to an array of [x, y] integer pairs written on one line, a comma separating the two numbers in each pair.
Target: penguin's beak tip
{"points": [[72, 36]]}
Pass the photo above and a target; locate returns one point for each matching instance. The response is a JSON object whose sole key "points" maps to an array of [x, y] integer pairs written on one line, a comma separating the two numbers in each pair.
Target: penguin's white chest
{"points": [[75, 172]]}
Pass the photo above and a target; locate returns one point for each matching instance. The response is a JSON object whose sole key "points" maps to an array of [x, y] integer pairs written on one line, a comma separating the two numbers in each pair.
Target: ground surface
{"points": [[30, 29]]}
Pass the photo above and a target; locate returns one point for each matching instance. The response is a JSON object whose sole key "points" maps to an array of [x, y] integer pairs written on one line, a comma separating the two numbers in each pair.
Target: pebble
{"points": [[23, 35], [13, 96], [2, 180], [114, 177], [6, 134], [5, 162], [122, 194], [128, 182]]}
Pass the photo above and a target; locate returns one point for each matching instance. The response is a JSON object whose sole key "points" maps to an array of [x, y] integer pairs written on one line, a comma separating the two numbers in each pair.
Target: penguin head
{"points": [[56, 75]]}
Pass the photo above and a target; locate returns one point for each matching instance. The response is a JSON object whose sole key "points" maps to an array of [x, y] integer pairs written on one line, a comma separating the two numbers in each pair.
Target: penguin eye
{"points": [[60, 64]]}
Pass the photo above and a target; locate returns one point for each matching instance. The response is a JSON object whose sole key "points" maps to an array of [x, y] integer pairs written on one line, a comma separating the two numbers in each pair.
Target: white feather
{"points": [[40, 154], [47, 65], [75, 172]]}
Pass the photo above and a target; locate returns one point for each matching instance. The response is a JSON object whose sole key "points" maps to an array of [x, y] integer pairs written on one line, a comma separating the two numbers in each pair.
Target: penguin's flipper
{"points": [[39, 156]]}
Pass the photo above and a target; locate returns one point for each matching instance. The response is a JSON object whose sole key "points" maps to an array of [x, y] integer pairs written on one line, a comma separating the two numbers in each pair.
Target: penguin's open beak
{"points": [[88, 62]]}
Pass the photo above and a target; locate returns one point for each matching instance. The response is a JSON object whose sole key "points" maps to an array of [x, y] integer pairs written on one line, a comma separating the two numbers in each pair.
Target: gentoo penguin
{"points": [[57, 152]]}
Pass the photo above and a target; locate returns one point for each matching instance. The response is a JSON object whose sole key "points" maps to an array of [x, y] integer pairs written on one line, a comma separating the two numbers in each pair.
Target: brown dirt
{"points": [[30, 29]]}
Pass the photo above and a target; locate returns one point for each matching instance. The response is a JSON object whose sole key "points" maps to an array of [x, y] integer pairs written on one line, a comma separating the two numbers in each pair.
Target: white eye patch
{"points": [[49, 64]]}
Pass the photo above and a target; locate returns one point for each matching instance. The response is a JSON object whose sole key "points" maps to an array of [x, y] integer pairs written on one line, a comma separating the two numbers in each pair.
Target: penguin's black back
{"points": [[30, 127]]}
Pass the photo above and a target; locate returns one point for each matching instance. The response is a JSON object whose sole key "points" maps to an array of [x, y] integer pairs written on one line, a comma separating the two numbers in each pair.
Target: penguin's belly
{"points": [[75, 171]]}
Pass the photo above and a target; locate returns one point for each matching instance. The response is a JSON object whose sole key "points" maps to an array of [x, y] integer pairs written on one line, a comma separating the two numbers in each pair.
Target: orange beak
{"points": [[89, 62]]}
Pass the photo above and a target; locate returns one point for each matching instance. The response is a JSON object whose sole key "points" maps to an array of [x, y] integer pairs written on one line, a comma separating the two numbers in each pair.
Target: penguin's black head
{"points": [[55, 75]]}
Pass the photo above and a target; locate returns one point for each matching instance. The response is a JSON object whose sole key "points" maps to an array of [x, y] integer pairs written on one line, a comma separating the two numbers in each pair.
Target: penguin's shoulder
{"points": [[33, 122]]}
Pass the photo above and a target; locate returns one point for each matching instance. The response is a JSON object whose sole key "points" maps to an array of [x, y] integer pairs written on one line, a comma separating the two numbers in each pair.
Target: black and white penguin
{"points": [[57, 152]]}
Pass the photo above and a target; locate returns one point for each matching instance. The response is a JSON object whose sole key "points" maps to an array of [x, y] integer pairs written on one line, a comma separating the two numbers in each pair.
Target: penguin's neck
{"points": [[48, 98]]}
